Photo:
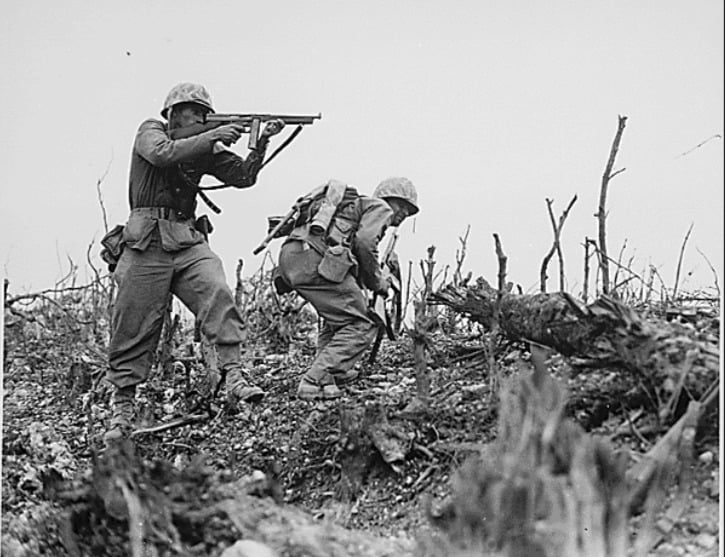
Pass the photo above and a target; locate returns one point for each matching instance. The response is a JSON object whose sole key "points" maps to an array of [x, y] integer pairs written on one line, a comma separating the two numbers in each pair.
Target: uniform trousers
{"points": [[347, 330], [146, 279]]}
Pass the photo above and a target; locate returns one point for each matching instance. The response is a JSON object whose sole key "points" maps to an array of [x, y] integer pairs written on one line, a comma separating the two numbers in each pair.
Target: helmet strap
{"points": [[170, 114]]}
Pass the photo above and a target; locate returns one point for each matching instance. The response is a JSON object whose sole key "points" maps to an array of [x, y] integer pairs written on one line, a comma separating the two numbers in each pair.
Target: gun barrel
{"points": [[248, 118]]}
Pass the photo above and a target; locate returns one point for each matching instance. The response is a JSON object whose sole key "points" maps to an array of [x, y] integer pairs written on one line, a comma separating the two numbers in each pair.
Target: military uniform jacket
{"points": [[166, 173]]}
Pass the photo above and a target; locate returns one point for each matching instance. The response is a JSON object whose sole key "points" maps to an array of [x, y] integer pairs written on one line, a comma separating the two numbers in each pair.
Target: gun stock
{"points": [[292, 215], [284, 221]]}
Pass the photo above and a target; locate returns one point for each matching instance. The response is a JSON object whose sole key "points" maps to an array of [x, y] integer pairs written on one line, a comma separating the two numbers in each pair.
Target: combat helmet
{"points": [[399, 187], [187, 93]]}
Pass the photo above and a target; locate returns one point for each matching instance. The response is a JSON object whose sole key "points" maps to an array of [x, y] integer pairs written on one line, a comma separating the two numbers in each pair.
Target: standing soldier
{"points": [[328, 271], [165, 253]]}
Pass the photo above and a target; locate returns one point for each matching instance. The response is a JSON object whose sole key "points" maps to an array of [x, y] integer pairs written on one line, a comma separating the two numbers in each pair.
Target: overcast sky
{"points": [[488, 107]]}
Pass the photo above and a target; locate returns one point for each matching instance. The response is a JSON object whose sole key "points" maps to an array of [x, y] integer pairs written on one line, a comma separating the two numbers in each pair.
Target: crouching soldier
{"points": [[165, 252], [328, 259]]}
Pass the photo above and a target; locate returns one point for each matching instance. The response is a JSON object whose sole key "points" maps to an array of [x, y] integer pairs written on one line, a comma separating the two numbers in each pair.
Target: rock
{"points": [[706, 457], [257, 476], [475, 389], [669, 549], [706, 540], [715, 487], [248, 548]]}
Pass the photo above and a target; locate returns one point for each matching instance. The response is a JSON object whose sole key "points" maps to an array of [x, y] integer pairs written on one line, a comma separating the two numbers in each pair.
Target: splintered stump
{"points": [[355, 453], [366, 434], [132, 508], [670, 355], [544, 488]]}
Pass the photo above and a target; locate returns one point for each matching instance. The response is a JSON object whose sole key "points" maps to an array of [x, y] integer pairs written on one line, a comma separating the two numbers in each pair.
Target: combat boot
{"points": [[122, 415], [238, 388], [314, 389], [345, 377]]}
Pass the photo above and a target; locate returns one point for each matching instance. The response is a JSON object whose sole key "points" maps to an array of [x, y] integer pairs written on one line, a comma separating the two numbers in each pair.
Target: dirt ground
{"points": [[53, 418]]}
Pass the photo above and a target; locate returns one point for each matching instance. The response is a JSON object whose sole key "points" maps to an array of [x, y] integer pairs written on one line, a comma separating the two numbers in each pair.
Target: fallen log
{"points": [[604, 333]]}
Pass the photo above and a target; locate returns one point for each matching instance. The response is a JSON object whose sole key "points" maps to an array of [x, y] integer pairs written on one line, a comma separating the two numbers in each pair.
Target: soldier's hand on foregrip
{"points": [[273, 127], [227, 134]]}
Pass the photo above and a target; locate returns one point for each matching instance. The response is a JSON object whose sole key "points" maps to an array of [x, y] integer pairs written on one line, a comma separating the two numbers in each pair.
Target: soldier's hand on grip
{"points": [[227, 134]]}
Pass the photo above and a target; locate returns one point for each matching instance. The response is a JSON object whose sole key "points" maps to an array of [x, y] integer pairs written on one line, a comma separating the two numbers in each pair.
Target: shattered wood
{"points": [[605, 332]]}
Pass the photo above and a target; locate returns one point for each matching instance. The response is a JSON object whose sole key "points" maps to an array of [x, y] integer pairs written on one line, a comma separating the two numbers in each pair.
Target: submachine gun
{"points": [[251, 124]]}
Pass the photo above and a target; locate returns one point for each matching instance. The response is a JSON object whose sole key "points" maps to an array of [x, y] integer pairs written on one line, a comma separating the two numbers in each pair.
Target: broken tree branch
{"points": [[100, 196], [179, 422], [556, 246], [714, 272], [679, 262]]}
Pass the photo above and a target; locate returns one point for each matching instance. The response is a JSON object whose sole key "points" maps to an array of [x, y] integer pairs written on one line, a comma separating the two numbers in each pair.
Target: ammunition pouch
{"points": [[336, 262], [113, 245]]}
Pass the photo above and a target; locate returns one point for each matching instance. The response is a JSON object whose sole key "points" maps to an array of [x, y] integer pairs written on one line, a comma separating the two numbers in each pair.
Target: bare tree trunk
{"points": [[164, 349], [602, 212], [492, 367], [239, 286], [422, 325], [585, 287]]}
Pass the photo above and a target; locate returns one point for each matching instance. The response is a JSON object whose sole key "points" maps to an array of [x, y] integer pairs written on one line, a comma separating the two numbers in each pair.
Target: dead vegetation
{"points": [[500, 423], [303, 478]]}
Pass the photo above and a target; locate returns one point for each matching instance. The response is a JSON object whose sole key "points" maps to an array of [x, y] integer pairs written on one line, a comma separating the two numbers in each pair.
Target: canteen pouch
{"points": [[203, 225], [336, 262], [281, 286], [113, 245]]}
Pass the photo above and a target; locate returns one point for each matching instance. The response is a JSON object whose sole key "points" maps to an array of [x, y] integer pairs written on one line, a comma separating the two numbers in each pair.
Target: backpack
{"points": [[319, 209]]}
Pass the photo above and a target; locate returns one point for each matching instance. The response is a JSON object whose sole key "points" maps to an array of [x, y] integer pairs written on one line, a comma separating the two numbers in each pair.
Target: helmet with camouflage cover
{"points": [[399, 187], [187, 93]]}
